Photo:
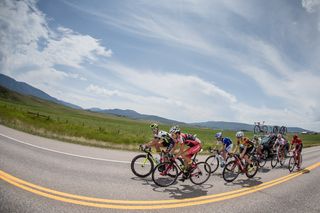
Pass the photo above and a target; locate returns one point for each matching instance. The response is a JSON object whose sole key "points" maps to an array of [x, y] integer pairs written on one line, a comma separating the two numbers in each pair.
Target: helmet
{"points": [[162, 134], [154, 126], [239, 134], [295, 136], [218, 135], [279, 135], [174, 129]]}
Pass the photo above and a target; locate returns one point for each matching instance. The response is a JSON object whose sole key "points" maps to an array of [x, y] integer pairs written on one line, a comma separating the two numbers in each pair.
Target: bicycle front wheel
{"points": [[142, 166], [274, 160], [292, 164], [265, 129], [256, 129], [231, 171], [165, 174], [262, 160], [201, 173], [213, 162]]}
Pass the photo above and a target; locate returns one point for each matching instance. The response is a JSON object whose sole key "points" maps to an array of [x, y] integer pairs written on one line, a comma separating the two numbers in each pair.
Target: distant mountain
{"points": [[237, 126], [135, 115], [26, 89]]}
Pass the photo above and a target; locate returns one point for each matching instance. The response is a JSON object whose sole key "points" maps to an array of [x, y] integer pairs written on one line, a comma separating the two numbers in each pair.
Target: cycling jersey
{"points": [[297, 143], [226, 141], [189, 140], [246, 142], [166, 138], [281, 142]]}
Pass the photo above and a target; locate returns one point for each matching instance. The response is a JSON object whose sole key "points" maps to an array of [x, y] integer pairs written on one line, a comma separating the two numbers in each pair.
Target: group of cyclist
{"points": [[188, 145]]}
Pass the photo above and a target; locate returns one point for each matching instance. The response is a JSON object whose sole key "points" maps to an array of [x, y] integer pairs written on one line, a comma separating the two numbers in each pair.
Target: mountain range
{"points": [[26, 89]]}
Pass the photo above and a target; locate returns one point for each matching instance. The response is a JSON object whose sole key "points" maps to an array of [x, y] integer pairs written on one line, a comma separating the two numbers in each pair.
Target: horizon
{"points": [[195, 61]]}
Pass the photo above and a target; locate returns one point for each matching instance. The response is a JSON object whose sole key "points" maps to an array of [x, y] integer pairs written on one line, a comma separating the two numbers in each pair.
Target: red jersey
{"points": [[189, 140], [296, 141]]}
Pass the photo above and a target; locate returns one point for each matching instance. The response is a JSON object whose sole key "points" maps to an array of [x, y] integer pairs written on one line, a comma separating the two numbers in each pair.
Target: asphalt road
{"points": [[43, 175]]}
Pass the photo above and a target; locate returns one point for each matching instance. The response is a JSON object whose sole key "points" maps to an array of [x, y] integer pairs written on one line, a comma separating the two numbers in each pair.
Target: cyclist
{"points": [[193, 146], [226, 146], [245, 147], [296, 147], [257, 144], [160, 139], [281, 143]]}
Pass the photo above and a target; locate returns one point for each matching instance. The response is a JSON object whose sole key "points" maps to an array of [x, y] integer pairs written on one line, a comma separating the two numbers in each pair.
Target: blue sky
{"points": [[192, 60]]}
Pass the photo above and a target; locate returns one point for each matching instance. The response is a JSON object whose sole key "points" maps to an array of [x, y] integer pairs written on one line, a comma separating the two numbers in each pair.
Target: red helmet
{"points": [[295, 136]]}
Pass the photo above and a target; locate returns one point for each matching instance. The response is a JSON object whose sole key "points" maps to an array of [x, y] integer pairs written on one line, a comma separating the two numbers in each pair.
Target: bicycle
{"points": [[279, 156], [166, 173], [215, 159], [232, 170], [142, 165], [260, 128], [293, 161], [282, 130], [259, 157]]}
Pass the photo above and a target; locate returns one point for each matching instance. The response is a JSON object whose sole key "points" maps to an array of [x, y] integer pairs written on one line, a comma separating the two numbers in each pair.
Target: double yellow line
{"points": [[143, 204]]}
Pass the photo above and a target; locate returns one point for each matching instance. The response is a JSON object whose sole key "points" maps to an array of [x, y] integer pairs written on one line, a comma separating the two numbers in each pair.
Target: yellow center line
{"points": [[178, 203]]}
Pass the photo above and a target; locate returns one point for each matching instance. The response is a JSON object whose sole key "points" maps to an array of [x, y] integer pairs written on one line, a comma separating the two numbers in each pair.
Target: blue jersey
{"points": [[226, 141]]}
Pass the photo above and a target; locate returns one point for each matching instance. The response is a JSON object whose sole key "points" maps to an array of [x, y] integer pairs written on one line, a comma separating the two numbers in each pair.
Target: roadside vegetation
{"points": [[44, 118]]}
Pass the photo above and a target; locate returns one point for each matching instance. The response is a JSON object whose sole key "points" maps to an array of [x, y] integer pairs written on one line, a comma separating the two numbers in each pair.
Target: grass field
{"points": [[51, 120]]}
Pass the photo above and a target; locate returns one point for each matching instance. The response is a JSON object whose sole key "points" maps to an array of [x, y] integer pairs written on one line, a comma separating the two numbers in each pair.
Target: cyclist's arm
{"points": [[180, 150], [243, 152]]}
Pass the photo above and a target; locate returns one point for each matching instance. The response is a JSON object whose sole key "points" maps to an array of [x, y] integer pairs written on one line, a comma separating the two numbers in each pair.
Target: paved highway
{"points": [[44, 175]]}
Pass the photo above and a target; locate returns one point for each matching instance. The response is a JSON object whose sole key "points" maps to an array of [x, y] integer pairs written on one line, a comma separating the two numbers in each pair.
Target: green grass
{"points": [[89, 128]]}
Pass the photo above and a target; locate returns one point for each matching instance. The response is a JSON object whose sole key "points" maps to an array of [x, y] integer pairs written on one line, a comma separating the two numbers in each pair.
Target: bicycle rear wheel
{"points": [[256, 129], [264, 129], [252, 171], [275, 129], [213, 162], [165, 174], [201, 173], [231, 171], [283, 130], [142, 165]]}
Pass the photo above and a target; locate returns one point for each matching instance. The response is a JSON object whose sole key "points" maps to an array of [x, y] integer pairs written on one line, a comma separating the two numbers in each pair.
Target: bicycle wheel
{"points": [[256, 129], [142, 165], [274, 160], [231, 171], [252, 171], [282, 160], [201, 173], [165, 174], [292, 164], [262, 160], [264, 129], [275, 129], [213, 162], [283, 130]]}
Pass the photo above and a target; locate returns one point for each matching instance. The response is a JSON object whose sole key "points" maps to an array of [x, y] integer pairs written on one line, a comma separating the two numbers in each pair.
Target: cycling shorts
{"points": [[193, 150]]}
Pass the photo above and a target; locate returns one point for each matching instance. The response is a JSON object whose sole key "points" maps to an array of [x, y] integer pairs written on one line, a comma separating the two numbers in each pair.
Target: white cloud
{"points": [[311, 5], [27, 41]]}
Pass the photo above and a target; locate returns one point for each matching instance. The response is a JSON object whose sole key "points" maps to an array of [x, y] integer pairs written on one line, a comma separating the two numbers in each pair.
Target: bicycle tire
{"points": [[274, 160], [262, 160], [170, 175], [256, 129], [291, 164], [214, 164], [264, 129], [283, 130], [256, 167], [135, 162], [197, 172], [227, 170], [275, 129]]}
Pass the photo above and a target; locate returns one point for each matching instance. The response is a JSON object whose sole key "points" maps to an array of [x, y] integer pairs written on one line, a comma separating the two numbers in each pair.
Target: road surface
{"points": [[43, 175]]}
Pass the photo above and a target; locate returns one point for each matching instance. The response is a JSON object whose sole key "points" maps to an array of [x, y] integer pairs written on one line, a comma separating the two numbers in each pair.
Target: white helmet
{"points": [[174, 129], [239, 134], [162, 134]]}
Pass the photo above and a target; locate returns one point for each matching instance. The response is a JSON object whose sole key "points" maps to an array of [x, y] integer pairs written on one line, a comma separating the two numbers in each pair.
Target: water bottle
{"points": [[157, 159]]}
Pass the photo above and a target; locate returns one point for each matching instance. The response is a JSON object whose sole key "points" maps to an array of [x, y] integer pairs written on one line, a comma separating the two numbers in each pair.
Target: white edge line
{"points": [[87, 157], [65, 153]]}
